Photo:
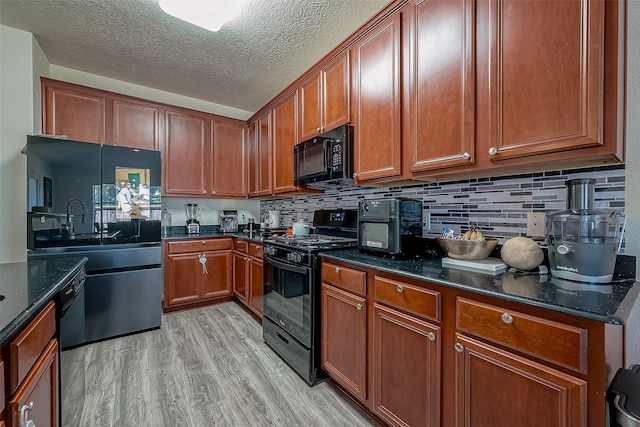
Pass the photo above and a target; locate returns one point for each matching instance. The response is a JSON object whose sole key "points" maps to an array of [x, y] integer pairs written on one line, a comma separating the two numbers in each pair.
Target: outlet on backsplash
{"points": [[535, 224]]}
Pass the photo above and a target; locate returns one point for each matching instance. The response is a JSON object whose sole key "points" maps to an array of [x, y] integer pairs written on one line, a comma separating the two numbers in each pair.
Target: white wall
{"points": [[105, 83], [632, 170]]}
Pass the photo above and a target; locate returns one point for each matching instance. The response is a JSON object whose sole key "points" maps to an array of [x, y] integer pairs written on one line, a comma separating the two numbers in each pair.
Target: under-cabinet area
{"points": [[418, 351]]}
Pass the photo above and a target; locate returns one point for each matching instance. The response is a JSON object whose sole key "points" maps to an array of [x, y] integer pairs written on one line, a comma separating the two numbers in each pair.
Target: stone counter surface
{"points": [[610, 303], [255, 237], [28, 286]]}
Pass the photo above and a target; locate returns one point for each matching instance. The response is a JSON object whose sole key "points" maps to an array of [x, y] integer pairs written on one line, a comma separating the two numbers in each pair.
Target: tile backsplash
{"points": [[498, 206]]}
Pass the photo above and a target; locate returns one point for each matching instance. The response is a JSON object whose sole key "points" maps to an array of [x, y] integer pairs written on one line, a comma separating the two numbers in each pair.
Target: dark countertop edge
{"points": [[16, 324], [616, 319], [208, 235]]}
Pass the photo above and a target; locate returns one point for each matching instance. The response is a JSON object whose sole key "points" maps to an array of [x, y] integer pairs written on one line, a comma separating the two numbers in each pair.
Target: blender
{"points": [[193, 212], [583, 242]]}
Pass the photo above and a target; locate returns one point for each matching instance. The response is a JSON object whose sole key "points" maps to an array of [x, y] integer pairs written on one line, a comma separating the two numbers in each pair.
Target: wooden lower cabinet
{"points": [[500, 389], [248, 275], [241, 276], [344, 339], [406, 369], [197, 276], [39, 391], [256, 286]]}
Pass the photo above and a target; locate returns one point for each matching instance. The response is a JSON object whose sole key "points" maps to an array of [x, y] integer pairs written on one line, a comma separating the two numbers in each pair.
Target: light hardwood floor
{"points": [[204, 367]]}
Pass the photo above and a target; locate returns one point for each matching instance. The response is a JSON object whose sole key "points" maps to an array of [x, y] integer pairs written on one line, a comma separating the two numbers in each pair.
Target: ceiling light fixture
{"points": [[208, 14]]}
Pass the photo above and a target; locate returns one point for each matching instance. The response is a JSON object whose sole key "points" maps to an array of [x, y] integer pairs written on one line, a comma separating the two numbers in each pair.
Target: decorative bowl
{"points": [[469, 250]]}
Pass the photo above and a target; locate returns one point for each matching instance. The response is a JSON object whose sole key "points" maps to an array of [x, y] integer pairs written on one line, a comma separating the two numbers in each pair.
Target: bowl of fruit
{"points": [[471, 246]]}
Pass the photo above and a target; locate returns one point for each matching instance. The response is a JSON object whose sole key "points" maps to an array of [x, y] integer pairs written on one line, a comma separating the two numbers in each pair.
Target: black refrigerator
{"points": [[102, 202]]}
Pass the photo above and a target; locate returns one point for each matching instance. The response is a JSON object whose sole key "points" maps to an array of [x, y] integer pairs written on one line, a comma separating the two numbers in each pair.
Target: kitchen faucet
{"points": [[69, 227]]}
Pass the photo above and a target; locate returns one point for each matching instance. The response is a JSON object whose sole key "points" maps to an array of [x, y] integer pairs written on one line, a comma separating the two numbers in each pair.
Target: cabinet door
{"points": [[229, 159], [188, 141], [182, 282], [309, 108], [284, 138], [253, 160], [344, 339], [73, 112], [216, 278], [406, 383], [545, 76], [439, 66], [39, 388], [135, 124], [377, 119], [257, 286], [241, 276], [335, 84], [497, 388], [265, 147]]}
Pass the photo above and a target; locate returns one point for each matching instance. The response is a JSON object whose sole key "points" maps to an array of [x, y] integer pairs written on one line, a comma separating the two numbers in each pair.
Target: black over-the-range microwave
{"points": [[326, 160]]}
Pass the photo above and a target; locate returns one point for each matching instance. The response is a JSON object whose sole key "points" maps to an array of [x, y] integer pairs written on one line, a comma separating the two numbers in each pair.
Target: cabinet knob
{"points": [[318, 129], [399, 288], [493, 151], [355, 175], [466, 155], [431, 336], [506, 318], [213, 192], [204, 242], [322, 128], [337, 270], [459, 348], [359, 307]]}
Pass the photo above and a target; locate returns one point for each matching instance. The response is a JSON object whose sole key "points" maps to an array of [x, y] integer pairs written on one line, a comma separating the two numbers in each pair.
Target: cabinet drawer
{"points": [[199, 245], [255, 250], [240, 245], [26, 347], [414, 299], [563, 344], [345, 278]]}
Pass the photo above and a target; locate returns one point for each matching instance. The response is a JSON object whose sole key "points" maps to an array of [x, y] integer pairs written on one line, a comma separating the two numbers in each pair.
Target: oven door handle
{"points": [[286, 266]]}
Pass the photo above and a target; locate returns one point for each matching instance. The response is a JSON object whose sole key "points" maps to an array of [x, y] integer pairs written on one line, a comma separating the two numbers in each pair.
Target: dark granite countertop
{"points": [[182, 235], [611, 303], [28, 286]]}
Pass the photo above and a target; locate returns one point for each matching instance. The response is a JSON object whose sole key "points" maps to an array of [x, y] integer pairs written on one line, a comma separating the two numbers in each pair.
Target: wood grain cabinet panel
{"points": [[135, 124], [186, 160], [439, 66], [73, 111], [344, 339], [40, 387], [403, 296], [323, 99], [345, 278], [499, 389], [198, 245], [259, 154], [284, 138], [406, 369], [217, 274], [377, 102], [248, 282], [182, 279], [546, 76], [229, 159], [256, 282], [552, 341], [241, 276]]}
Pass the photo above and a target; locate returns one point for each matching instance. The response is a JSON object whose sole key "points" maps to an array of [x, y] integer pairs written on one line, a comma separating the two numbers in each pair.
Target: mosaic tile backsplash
{"points": [[498, 206]]}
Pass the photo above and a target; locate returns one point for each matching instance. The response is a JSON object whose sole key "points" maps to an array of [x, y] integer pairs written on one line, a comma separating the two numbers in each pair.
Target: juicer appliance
{"points": [[583, 241], [192, 210]]}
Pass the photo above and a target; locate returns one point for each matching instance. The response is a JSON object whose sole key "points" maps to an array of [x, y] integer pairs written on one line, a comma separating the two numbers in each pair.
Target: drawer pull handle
{"points": [[337, 270], [204, 242], [459, 348], [466, 155], [399, 288], [359, 307], [506, 318], [431, 336]]}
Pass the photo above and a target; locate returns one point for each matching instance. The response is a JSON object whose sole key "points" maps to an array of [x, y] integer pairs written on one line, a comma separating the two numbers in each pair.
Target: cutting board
{"points": [[488, 265]]}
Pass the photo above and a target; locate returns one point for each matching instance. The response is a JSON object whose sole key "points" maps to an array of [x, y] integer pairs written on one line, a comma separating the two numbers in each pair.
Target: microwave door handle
{"points": [[327, 147], [285, 266]]}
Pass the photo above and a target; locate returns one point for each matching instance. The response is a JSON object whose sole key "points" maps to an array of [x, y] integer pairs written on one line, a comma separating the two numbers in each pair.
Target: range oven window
{"points": [[287, 297]]}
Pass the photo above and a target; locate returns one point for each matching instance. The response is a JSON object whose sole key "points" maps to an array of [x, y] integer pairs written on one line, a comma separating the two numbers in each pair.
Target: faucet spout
{"points": [[69, 216]]}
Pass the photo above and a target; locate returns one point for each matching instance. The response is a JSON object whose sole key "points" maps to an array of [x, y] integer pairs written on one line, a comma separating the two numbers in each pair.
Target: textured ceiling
{"points": [[244, 65]]}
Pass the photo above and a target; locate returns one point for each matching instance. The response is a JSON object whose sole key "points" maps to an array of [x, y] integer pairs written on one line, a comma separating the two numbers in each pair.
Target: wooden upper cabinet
{"points": [[259, 156], [377, 101], [546, 75], [229, 159], [73, 111], [135, 124], [440, 99], [284, 138], [186, 159], [252, 159], [323, 99]]}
